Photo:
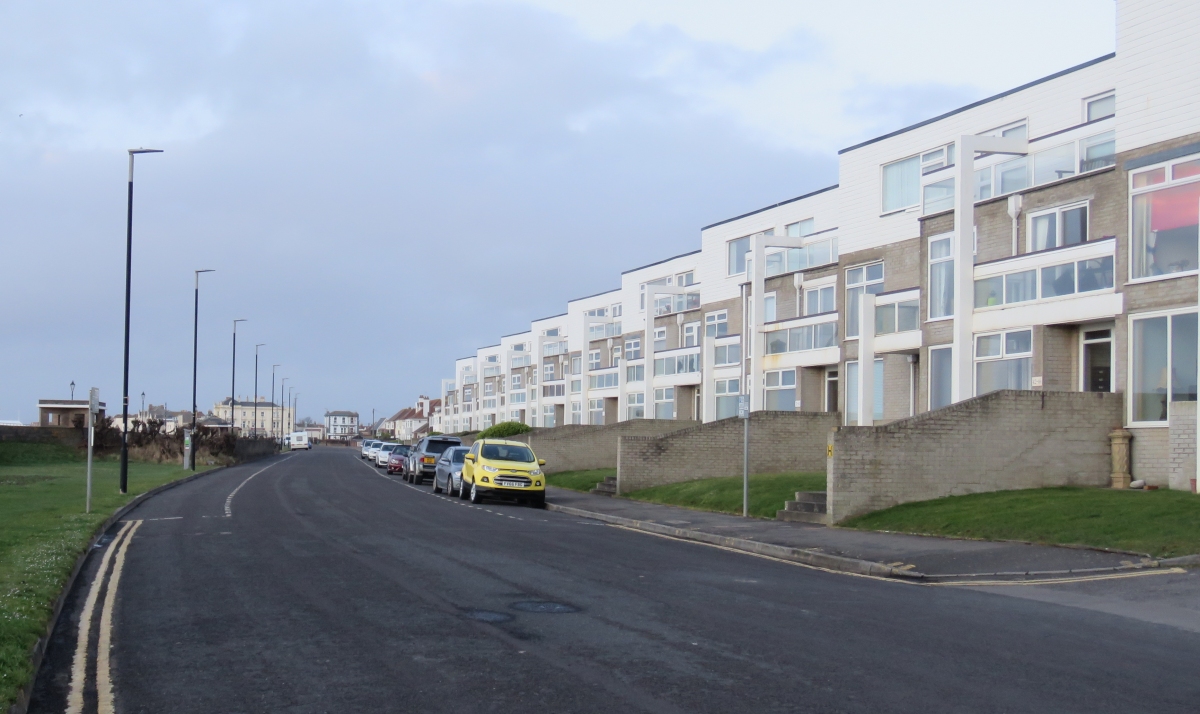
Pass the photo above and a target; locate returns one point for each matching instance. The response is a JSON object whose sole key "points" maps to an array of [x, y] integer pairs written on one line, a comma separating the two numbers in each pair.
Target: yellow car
{"points": [[496, 468]]}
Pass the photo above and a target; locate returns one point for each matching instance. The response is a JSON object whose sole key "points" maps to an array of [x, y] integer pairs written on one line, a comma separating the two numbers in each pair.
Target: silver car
{"points": [[447, 476], [366, 446], [383, 453]]}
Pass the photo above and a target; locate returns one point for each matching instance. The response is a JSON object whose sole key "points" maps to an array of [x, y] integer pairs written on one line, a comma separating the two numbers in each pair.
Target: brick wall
{"points": [[779, 442], [1003, 440], [1182, 456], [579, 447], [1056, 358], [1149, 452]]}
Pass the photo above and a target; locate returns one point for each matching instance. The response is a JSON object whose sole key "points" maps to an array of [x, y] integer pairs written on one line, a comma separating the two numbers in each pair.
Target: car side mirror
{"points": [[469, 457], [541, 462]]}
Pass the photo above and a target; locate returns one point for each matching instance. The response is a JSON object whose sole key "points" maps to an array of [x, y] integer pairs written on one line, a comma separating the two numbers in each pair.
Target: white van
{"points": [[299, 440]]}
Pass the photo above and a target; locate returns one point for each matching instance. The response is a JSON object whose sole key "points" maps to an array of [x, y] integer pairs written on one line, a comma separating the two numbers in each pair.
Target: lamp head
{"points": [[145, 151]]}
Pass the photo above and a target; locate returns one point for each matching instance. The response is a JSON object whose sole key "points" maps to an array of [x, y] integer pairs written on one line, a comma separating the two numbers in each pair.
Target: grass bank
{"points": [[43, 529], [579, 480], [724, 495], [1161, 523]]}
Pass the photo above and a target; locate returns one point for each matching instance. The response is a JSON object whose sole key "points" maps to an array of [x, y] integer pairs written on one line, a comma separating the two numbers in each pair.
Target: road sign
{"points": [[94, 400], [743, 406]]}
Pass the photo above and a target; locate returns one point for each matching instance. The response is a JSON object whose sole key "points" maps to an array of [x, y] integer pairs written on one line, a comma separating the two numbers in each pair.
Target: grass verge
{"points": [[43, 529], [724, 495], [1161, 523], [579, 480]]}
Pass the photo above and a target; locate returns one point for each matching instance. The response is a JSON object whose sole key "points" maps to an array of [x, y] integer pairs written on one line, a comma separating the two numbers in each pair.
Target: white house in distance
{"points": [[262, 418], [341, 425]]}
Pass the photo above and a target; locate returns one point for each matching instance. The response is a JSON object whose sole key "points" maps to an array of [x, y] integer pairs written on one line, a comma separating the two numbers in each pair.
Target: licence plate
{"points": [[512, 484]]}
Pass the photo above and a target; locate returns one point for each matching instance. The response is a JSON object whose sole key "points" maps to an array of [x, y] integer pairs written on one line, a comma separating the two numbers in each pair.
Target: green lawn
{"points": [[1161, 523], [43, 529], [767, 493], [579, 480]]}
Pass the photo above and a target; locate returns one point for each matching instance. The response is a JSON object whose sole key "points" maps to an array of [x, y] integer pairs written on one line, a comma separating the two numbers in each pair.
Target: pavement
{"points": [[940, 558], [312, 582]]}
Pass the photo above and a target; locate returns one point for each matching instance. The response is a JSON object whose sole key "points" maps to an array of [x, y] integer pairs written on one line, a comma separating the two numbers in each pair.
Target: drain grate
{"points": [[541, 606]]}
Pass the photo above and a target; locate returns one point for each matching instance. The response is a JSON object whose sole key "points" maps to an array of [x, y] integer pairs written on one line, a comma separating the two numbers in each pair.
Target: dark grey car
{"points": [[422, 460], [448, 475]]}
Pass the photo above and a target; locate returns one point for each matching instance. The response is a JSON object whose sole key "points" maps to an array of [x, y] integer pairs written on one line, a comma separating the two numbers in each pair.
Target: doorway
{"points": [[1097, 359], [831, 390]]}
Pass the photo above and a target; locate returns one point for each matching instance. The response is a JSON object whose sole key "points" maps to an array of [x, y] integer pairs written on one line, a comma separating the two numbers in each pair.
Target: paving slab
{"points": [[930, 555]]}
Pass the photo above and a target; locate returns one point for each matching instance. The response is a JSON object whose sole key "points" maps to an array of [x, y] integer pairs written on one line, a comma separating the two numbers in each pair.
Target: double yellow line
{"points": [[79, 666]]}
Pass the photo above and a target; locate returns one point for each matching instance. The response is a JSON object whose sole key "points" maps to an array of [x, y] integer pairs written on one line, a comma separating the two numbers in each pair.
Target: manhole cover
{"points": [[489, 616], [541, 606]]}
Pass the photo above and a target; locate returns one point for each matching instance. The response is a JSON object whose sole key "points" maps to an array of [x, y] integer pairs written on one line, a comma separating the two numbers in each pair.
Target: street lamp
{"points": [[295, 401], [195, 354], [289, 401], [254, 429], [233, 378], [271, 431], [128, 282], [282, 410], [143, 403], [72, 390]]}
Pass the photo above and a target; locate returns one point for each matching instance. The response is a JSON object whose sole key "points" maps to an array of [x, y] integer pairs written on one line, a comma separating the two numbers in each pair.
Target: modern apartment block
{"points": [[1045, 238]]}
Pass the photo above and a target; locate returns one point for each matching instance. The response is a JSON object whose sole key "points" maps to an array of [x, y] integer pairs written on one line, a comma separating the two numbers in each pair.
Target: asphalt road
{"points": [[331, 588]]}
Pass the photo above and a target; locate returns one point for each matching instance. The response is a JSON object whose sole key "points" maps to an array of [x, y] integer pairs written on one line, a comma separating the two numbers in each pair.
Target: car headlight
{"points": [[490, 469], [535, 472], [484, 480]]}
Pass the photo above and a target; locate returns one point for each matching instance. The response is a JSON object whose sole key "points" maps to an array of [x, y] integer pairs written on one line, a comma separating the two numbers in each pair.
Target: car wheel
{"points": [[436, 487], [462, 490], [475, 497], [450, 488]]}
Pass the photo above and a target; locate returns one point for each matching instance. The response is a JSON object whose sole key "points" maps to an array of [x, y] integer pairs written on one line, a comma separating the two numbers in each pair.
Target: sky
{"points": [[383, 186]]}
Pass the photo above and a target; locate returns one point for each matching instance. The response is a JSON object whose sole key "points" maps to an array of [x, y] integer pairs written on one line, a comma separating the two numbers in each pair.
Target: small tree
{"points": [[503, 429]]}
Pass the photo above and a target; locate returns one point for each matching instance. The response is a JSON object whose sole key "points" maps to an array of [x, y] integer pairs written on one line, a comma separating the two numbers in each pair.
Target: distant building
{"points": [[62, 412], [262, 418], [341, 425]]}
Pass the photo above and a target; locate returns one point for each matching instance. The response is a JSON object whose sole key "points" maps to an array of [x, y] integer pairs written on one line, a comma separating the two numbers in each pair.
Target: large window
{"points": [[516, 384], [941, 376], [664, 403], [852, 378], [727, 354], [716, 324], [780, 391], [800, 229], [660, 339], [727, 392], [1003, 360], [736, 264], [576, 413], [898, 317], [602, 381], [635, 405], [1166, 214], [819, 300], [548, 416], [635, 373], [595, 411], [938, 196], [1058, 227], [1164, 364], [769, 307], [593, 360], [941, 276], [633, 348], [678, 364], [1100, 107], [800, 339], [1046, 165], [812, 254], [901, 184], [860, 281], [1056, 281]]}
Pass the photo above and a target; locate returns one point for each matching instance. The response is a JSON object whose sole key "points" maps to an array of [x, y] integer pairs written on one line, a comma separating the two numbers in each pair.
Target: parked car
{"points": [[385, 450], [397, 459], [371, 452], [497, 468], [366, 446], [448, 474], [422, 460]]}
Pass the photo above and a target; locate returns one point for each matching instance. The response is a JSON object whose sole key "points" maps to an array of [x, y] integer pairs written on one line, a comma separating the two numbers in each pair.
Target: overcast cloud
{"points": [[385, 186]]}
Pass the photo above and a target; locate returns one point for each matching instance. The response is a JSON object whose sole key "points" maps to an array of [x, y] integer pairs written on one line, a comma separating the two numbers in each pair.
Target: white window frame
{"points": [[865, 285], [931, 262], [1058, 223], [593, 360], [770, 306], [730, 255], [884, 209], [713, 320], [736, 344], [1112, 352], [660, 334], [1168, 182], [1004, 354], [1088, 101], [691, 334], [1130, 396]]}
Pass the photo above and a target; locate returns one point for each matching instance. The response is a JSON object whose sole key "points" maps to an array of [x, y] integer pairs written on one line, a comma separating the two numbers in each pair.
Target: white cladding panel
{"points": [[1157, 71], [716, 284], [578, 309], [1051, 106], [634, 317]]}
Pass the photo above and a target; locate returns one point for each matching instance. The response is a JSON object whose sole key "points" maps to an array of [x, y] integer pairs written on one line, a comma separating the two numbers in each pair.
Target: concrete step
{"points": [[607, 487], [802, 517], [802, 507], [820, 497]]}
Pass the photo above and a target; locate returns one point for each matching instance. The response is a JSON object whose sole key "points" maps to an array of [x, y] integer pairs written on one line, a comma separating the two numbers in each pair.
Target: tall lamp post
{"points": [[72, 390], [295, 401], [128, 282], [293, 417], [233, 377], [254, 430], [282, 410], [195, 354], [271, 431]]}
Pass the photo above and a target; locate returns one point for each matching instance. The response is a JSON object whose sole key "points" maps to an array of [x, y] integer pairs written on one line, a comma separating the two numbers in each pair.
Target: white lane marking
{"points": [[172, 518], [79, 664], [229, 499], [104, 690]]}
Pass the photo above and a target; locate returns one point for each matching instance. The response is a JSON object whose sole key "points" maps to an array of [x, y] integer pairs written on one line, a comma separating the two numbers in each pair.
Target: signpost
{"points": [[744, 414], [93, 410], [188, 458]]}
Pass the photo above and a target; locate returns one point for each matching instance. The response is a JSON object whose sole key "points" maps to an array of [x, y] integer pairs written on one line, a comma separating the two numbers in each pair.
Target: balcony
{"points": [[802, 342]]}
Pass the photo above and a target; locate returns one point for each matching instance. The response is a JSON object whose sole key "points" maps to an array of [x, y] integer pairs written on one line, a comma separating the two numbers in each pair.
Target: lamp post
{"points": [[295, 401], [233, 377], [289, 401], [143, 403], [128, 281], [271, 431], [195, 353], [282, 410], [72, 390], [254, 429]]}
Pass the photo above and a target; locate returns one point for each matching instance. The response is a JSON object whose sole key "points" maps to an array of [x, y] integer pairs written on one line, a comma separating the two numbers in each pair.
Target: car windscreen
{"points": [[507, 452], [437, 447], [401, 449], [458, 454]]}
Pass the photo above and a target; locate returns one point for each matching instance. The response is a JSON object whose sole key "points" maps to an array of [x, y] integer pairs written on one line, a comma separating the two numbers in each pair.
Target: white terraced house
{"points": [[341, 425], [1045, 238]]}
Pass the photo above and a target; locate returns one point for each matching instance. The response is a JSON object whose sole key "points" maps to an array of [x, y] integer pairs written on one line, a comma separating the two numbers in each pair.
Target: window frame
{"points": [[1130, 398], [1168, 182], [930, 263], [1089, 101], [1004, 354], [884, 209], [865, 284], [1058, 211]]}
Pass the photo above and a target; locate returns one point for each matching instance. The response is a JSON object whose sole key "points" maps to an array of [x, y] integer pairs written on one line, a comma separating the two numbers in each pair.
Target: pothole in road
{"points": [[543, 607], [489, 616]]}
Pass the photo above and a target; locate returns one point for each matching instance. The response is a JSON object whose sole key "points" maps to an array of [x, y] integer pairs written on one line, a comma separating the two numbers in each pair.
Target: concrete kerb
{"points": [[21, 706], [797, 555]]}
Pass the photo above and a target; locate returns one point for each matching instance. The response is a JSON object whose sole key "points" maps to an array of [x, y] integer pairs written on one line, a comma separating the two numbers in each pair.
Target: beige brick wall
{"points": [[779, 442], [1056, 358], [1000, 441], [579, 447], [1182, 457], [1150, 454]]}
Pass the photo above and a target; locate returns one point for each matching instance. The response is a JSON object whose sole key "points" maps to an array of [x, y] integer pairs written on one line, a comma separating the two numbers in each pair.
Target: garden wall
{"points": [[580, 447], [780, 442], [1001, 441]]}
